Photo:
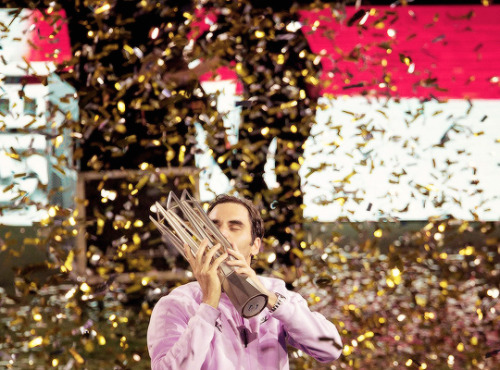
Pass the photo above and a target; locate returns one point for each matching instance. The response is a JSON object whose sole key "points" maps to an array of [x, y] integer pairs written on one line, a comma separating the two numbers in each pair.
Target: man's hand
{"points": [[243, 268], [205, 271]]}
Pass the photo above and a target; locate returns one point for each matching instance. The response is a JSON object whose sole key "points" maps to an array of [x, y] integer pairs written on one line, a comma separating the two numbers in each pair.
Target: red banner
{"points": [[412, 51]]}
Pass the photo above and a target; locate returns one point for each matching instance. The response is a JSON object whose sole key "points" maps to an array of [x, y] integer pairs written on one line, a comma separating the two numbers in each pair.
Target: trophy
{"points": [[189, 224]]}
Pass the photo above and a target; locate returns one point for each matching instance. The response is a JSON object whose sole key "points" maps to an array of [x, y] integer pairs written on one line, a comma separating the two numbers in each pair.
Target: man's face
{"points": [[233, 220]]}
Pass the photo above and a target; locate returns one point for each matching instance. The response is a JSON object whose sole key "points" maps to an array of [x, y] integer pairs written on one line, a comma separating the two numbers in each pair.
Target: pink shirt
{"points": [[184, 333]]}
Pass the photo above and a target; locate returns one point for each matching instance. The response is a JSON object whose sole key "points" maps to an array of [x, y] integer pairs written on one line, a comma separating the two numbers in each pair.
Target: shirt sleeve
{"points": [[308, 331], [180, 332]]}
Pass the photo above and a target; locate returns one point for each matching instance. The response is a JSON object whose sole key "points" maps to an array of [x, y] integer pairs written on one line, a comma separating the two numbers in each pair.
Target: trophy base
{"points": [[254, 306], [245, 296]]}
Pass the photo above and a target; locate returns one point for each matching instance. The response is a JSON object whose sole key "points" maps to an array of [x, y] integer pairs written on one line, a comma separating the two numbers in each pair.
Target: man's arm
{"points": [[180, 332], [180, 329], [308, 331]]}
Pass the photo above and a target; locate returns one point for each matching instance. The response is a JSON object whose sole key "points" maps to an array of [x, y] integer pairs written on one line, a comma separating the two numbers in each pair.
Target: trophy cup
{"points": [[189, 224]]}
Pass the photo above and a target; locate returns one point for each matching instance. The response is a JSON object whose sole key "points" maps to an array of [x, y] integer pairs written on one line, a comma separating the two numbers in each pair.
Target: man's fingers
{"points": [[190, 257], [242, 271], [238, 263], [201, 251], [236, 253], [187, 252], [218, 261], [209, 255]]}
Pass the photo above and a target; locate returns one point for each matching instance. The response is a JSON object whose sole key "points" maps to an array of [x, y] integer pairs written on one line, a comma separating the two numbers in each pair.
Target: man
{"points": [[197, 327]]}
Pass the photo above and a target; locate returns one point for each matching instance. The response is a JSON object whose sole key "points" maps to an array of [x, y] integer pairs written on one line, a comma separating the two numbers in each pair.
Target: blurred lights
{"points": [[493, 293], [347, 350], [85, 288], [451, 360], [294, 27], [395, 272], [154, 33], [364, 19], [259, 34], [59, 140], [271, 258], [35, 342], [53, 211], [103, 8], [467, 251], [70, 293], [108, 194], [429, 315]]}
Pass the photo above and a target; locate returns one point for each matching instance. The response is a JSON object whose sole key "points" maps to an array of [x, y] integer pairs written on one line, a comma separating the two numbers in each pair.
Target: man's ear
{"points": [[255, 247]]}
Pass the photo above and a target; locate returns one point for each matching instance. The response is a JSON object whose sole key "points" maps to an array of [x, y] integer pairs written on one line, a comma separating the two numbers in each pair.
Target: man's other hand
{"points": [[242, 267]]}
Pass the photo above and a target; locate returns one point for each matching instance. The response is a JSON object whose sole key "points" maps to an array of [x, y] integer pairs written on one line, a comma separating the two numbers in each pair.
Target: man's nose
{"points": [[224, 231]]}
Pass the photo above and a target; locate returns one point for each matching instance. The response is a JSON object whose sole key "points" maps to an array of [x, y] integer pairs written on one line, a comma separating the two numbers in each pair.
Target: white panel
{"points": [[396, 168], [406, 138]]}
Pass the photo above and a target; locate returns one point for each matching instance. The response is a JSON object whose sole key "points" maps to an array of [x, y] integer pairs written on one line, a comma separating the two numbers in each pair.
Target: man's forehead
{"points": [[230, 212]]}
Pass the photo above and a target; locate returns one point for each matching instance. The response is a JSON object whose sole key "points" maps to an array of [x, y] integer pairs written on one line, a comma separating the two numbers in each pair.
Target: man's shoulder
{"points": [[182, 302], [188, 287], [272, 284], [185, 293]]}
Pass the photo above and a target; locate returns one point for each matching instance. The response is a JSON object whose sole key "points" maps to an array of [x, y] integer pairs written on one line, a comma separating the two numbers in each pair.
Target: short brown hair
{"points": [[253, 213]]}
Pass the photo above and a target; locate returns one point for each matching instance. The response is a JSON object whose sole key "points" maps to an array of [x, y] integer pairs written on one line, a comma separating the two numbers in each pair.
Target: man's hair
{"points": [[255, 218]]}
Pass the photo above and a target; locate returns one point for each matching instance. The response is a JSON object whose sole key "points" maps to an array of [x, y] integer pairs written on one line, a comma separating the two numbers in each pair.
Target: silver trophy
{"points": [[185, 222]]}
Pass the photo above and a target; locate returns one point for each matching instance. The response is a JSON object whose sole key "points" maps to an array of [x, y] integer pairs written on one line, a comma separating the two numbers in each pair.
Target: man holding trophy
{"points": [[229, 318]]}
